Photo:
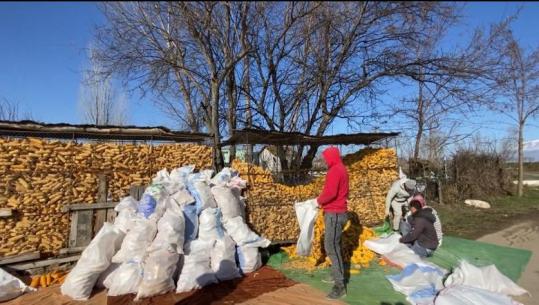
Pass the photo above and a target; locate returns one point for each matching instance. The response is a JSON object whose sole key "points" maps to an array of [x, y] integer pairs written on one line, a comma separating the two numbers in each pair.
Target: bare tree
{"points": [[517, 82], [318, 62], [283, 66], [100, 102], [9, 111], [187, 49], [448, 95]]}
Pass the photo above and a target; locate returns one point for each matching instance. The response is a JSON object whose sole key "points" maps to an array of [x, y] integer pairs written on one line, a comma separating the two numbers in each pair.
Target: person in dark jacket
{"points": [[333, 200], [422, 239]]}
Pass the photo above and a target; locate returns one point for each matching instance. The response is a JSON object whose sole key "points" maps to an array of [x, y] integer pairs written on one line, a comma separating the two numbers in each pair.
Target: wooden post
{"points": [[440, 197], [101, 214], [136, 191]]}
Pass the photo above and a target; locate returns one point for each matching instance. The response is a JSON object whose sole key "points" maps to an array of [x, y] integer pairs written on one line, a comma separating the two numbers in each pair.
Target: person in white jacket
{"points": [[398, 196]]}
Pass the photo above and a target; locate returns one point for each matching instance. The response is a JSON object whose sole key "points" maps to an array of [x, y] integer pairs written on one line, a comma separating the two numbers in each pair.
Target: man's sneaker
{"points": [[328, 280], [337, 292]]}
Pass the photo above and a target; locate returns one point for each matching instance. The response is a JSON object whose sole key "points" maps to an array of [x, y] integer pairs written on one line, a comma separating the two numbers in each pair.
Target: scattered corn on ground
{"points": [[353, 249], [40, 177], [270, 204], [48, 279]]}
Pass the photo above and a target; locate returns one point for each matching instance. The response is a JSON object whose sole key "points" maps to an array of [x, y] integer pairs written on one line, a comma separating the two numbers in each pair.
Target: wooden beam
{"points": [[72, 250], [44, 263], [19, 258], [6, 212], [85, 206], [100, 214]]}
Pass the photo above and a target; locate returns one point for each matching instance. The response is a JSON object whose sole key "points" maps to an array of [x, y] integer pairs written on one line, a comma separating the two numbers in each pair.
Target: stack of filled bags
{"points": [[425, 283], [188, 228]]}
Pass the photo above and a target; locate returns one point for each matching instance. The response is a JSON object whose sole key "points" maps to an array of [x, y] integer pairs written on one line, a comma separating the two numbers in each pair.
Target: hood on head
{"points": [[419, 198], [427, 214], [332, 156]]}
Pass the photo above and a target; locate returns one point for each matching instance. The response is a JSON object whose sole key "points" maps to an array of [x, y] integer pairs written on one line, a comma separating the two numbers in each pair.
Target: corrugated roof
{"points": [[256, 136], [71, 131]]}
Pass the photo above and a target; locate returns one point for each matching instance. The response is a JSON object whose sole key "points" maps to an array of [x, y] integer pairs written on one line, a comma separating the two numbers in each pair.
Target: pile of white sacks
{"points": [[187, 231], [425, 283]]}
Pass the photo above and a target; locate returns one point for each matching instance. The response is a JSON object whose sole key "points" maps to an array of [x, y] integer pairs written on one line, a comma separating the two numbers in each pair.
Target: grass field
{"points": [[469, 222]]}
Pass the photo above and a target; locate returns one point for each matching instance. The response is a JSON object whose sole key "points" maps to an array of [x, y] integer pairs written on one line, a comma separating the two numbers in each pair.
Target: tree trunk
{"points": [[520, 186], [246, 75], [307, 161], [217, 153], [420, 122], [231, 96]]}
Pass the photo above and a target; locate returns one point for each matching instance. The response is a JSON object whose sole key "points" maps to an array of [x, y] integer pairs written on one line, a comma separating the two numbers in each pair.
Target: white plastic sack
{"points": [[488, 278], [466, 295], [242, 235], [180, 174], [207, 174], [249, 259], [222, 178], [180, 199], [477, 203], [237, 183], [155, 190], [395, 252], [196, 271], [420, 284], [128, 203], [11, 287], [161, 177], [306, 212], [227, 201], [191, 221], [209, 224], [159, 270], [126, 279], [105, 277], [403, 256], [170, 232], [383, 245], [94, 260], [223, 259], [199, 189], [147, 205], [127, 209], [136, 241]]}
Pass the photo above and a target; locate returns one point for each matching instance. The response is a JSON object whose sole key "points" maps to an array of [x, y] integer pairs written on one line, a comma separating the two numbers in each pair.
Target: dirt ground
{"points": [[265, 287], [524, 235]]}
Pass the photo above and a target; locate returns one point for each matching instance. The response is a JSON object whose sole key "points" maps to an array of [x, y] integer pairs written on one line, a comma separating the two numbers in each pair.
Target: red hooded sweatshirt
{"points": [[335, 193]]}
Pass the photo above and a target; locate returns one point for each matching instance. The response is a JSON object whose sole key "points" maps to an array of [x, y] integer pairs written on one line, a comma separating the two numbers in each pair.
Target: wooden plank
{"points": [[100, 214], [85, 206], [84, 228], [73, 229], [6, 212], [71, 250], [136, 191], [111, 215], [19, 258], [43, 263]]}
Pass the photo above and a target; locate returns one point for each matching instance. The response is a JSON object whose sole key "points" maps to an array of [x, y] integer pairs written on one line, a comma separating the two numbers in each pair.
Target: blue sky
{"points": [[42, 55]]}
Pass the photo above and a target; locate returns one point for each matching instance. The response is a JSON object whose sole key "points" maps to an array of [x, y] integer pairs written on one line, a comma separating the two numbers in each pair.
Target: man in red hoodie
{"points": [[333, 201]]}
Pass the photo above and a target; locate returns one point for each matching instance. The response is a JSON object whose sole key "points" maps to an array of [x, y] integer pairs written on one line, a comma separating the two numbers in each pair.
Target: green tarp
{"points": [[370, 287]]}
